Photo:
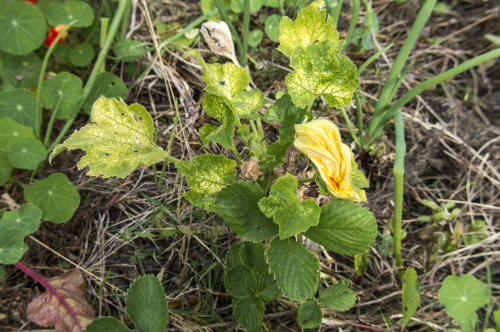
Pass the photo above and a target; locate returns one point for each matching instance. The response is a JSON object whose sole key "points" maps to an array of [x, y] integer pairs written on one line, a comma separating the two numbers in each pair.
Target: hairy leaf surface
{"points": [[295, 268], [119, 138]]}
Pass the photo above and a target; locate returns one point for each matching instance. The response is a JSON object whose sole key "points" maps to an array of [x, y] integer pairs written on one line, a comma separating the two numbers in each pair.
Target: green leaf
{"points": [[62, 51], [147, 304], [23, 27], [255, 37], [117, 140], [288, 115], [338, 297], [292, 215], [240, 281], [237, 205], [272, 27], [12, 246], [27, 153], [268, 287], [19, 105], [237, 6], [309, 315], [294, 267], [462, 296], [218, 108], [411, 294], [320, 70], [106, 85], [5, 168], [361, 262], [476, 232], [56, 196], [63, 92], [12, 132], [108, 324], [229, 81], [233, 256], [275, 156], [20, 70], [345, 228], [309, 27], [26, 219], [248, 311], [81, 55], [357, 176], [68, 11], [206, 175], [128, 50], [252, 254]]}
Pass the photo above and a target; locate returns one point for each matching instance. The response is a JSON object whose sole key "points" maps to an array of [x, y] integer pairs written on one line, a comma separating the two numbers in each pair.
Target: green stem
{"points": [[48, 132], [306, 180], [399, 171], [246, 26], [350, 125], [352, 25], [38, 114], [126, 20], [359, 116], [399, 63], [95, 70], [104, 32], [336, 13], [375, 129], [261, 135], [237, 155]]}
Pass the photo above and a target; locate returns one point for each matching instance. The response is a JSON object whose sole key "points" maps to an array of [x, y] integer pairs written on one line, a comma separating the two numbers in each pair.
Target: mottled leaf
{"points": [[344, 227], [73, 315], [292, 215], [218, 108], [206, 175], [147, 304], [321, 70], [338, 297], [295, 268], [119, 138], [237, 204], [309, 27]]}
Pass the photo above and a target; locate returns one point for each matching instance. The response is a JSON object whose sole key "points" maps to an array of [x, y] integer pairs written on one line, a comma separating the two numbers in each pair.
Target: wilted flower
{"points": [[218, 37], [320, 141], [53, 34]]}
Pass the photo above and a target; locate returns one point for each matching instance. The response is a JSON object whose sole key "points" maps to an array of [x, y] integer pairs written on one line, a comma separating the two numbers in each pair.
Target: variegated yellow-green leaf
{"points": [[218, 108], [309, 27], [292, 215], [119, 138], [320, 70], [230, 81], [206, 175]]}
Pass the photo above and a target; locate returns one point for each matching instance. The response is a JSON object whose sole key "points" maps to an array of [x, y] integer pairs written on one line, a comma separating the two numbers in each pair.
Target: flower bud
{"points": [[218, 37], [250, 170], [320, 141]]}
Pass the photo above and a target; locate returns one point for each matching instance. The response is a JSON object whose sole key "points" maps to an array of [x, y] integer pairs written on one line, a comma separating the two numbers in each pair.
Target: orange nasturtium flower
{"points": [[32, 1], [320, 141], [53, 34]]}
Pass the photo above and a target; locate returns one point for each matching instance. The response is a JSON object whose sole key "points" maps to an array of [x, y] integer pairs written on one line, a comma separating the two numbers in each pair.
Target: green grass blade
{"points": [[352, 25], [398, 171], [373, 58]]}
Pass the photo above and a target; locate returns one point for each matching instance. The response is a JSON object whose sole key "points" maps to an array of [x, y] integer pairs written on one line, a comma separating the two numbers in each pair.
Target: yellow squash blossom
{"points": [[320, 141]]}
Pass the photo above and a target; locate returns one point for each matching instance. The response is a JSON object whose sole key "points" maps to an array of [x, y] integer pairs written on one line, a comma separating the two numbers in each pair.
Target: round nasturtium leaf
{"points": [[11, 132], [56, 196], [81, 55], [128, 50], [26, 219], [107, 85], [5, 168], [62, 52], [273, 27], [20, 70], [62, 92], [66, 12], [462, 296], [23, 27], [255, 37], [12, 246], [19, 105], [238, 6], [27, 153]]}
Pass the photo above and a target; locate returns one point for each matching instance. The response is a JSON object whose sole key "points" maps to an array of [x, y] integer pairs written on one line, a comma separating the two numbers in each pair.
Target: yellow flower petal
{"points": [[320, 141]]}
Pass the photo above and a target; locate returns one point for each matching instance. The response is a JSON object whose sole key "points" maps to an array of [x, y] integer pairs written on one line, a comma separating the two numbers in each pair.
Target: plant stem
{"points": [[104, 32], [375, 129], [122, 5], [42, 281], [38, 114], [359, 116], [352, 25], [48, 132], [399, 171], [246, 26], [306, 180], [350, 125], [398, 65]]}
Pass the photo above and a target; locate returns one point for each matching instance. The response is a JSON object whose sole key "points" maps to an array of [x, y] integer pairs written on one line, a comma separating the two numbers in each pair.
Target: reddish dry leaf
{"points": [[70, 315]]}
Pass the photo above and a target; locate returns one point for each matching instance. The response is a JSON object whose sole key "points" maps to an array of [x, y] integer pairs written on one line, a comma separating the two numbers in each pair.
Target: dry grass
{"points": [[453, 155]]}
